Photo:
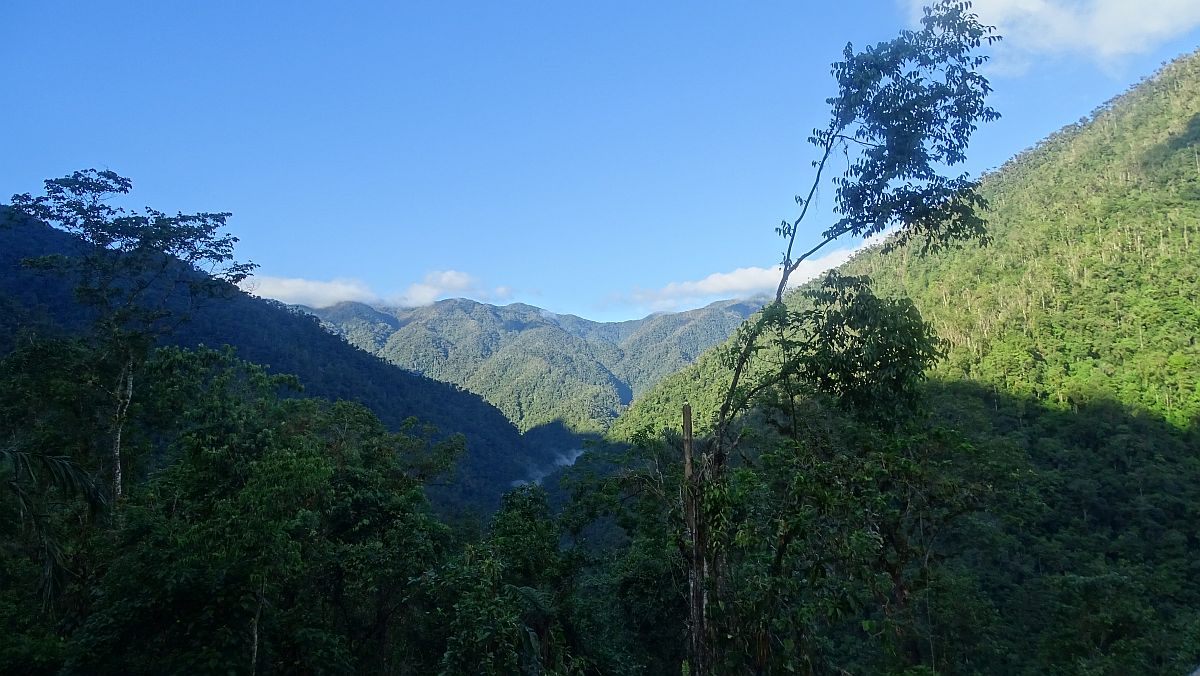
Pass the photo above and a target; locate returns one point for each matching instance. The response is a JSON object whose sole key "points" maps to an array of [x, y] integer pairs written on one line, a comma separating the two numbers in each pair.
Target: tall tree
{"points": [[904, 113], [289, 535], [139, 272]]}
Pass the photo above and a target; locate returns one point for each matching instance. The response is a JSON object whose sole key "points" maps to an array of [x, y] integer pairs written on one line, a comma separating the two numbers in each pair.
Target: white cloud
{"points": [[318, 293], [310, 292], [1102, 30], [437, 284], [740, 283]]}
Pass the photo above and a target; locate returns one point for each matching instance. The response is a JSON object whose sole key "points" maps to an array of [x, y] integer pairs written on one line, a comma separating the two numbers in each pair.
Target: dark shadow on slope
{"points": [[1086, 551], [1190, 138], [566, 453], [623, 389], [1082, 556], [1179, 154]]}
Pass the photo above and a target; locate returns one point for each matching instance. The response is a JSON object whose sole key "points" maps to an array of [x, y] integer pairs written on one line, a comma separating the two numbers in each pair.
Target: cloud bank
{"points": [[315, 293], [740, 283], [1101, 30], [437, 284], [310, 292]]}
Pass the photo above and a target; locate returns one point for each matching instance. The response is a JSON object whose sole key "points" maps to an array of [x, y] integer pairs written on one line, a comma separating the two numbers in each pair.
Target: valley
{"points": [[972, 448]]}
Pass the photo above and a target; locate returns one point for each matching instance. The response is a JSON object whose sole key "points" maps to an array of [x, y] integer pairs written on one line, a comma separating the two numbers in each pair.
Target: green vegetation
{"points": [[536, 366], [1088, 288], [42, 302], [1070, 370], [254, 530], [967, 461], [265, 533], [902, 119]]}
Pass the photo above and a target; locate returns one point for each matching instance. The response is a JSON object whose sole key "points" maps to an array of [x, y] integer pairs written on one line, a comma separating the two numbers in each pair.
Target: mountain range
{"points": [[1067, 404], [536, 366]]}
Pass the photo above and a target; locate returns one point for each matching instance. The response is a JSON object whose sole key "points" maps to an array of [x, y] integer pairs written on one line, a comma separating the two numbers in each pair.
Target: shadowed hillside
{"points": [[292, 342]]}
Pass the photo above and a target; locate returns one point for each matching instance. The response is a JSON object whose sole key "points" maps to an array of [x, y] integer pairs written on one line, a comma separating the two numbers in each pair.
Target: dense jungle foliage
{"points": [[288, 342], [1033, 507], [1071, 371]]}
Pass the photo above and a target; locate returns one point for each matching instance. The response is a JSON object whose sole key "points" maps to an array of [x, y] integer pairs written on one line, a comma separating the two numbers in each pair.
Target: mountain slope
{"points": [[288, 341], [535, 365], [1090, 290], [1090, 287], [1073, 371]]}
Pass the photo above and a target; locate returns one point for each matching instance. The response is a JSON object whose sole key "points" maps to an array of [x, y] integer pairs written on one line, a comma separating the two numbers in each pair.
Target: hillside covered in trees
{"points": [[1071, 365], [285, 341], [971, 452], [1088, 287], [536, 366]]}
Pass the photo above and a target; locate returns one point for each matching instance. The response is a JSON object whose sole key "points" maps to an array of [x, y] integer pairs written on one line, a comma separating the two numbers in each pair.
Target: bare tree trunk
{"points": [[254, 630], [699, 647], [124, 396]]}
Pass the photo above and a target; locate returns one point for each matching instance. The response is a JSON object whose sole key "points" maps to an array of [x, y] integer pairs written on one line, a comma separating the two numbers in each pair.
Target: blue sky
{"points": [[606, 159]]}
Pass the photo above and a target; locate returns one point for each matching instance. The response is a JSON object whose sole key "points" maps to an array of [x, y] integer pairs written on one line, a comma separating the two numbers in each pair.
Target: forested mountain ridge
{"points": [[1089, 287], [535, 365], [1072, 370], [290, 342], [179, 510]]}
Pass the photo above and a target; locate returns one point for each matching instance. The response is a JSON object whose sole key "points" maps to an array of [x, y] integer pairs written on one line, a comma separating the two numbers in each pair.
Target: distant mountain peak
{"points": [[536, 365]]}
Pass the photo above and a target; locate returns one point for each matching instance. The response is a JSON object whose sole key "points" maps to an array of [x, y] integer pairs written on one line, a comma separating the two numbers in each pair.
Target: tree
{"points": [[138, 272], [44, 398], [904, 113], [503, 601], [288, 535]]}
